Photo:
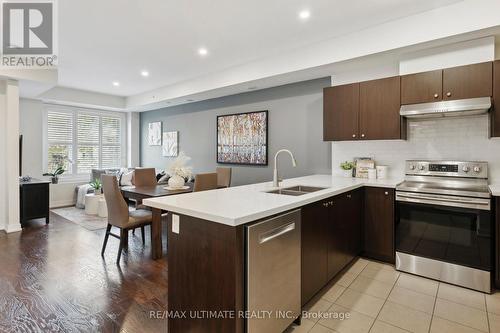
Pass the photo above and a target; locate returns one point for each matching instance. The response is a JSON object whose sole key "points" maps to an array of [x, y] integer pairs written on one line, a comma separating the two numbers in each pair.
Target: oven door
{"points": [[456, 230]]}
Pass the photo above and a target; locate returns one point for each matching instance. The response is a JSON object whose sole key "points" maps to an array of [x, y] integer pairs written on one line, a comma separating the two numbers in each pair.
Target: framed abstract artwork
{"points": [[154, 134], [242, 138], [170, 144]]}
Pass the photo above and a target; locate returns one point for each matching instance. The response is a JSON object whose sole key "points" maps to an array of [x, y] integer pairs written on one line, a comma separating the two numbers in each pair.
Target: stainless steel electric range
{"points": [[444, 227]]}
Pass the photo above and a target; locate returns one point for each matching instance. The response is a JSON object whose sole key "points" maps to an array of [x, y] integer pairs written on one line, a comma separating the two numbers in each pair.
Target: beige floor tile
{"points": [[494, 322], [346, 279], [321, 329], [315, 307], [461, 314], [381, 327], [354, 322], [418, 284], [463, 296], [382, 275], [305, 326], [405, 317], [440, 325], [493, 303], [358, 266], [379, 265], [371, 287], [412, 299], [366, 304], [333, 292]]}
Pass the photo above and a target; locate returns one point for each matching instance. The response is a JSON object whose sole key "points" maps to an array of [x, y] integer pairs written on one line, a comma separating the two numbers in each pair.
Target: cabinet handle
{"points": [[436, 95], [448, 94], [349, 196], [362, 135], [325, 204], [354, 135], [386, 193], [331, 203]]}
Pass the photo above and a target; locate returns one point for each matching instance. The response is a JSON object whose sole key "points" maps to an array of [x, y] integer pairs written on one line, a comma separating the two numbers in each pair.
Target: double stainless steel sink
{"points": [[296, 190]]}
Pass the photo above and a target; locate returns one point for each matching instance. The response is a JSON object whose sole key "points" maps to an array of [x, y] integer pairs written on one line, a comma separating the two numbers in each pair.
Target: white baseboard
{"points": [[13, 228], [62, 203]]}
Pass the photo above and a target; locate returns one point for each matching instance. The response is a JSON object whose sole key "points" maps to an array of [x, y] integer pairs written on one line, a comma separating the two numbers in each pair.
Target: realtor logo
{"points": [[28, 34]]}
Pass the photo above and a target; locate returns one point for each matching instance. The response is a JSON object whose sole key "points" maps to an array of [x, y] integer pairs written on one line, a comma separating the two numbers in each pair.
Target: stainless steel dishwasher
{"points": [[273, 273]]}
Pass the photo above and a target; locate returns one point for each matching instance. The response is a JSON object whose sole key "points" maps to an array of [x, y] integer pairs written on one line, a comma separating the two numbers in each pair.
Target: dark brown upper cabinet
{"points": [[379, 104], [468, 81], [448, 84], [341, 112], [422, 87], [362, 111], [495, 112]]}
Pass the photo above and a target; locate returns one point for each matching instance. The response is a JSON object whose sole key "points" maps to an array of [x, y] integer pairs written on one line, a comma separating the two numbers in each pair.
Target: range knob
{"points": [[421, 167], [477, 169], [412, 166], [466, 169]]}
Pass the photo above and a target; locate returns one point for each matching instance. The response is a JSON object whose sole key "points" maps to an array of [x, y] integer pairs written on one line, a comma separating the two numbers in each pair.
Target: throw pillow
{"points": [[126, 178]]}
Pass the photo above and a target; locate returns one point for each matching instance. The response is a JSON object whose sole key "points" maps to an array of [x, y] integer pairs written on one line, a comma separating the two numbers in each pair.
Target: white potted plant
{"points": [[347, 168], [179, 171]]}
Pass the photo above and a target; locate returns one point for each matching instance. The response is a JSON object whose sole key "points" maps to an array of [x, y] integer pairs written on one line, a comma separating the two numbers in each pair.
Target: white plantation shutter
{"points": [[91, 139], [87, 134], [111, 142], [60, 140]]}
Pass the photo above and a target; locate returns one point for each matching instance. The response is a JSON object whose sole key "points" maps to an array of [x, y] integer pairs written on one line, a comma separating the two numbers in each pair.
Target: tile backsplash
{"points": [[464, 138]]}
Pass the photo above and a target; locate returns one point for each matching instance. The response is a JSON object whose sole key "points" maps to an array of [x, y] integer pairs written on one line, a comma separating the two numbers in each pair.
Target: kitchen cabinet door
{"points": [[379, 223], [340, 112], [379, 104], [495, 112], [497, 243], [337, 235], [422, 87], [354, 227], [315, 219], [468, 81]]}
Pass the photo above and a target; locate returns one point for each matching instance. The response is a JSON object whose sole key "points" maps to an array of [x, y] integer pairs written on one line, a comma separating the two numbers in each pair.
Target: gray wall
{"points": [[295, 123]]}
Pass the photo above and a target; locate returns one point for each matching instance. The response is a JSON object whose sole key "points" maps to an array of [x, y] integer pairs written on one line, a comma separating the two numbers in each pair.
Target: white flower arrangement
{"points": [[179, 167]]}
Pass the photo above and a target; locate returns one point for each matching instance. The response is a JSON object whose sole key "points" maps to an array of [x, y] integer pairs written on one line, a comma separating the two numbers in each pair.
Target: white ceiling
{"points": [[113, 40]]}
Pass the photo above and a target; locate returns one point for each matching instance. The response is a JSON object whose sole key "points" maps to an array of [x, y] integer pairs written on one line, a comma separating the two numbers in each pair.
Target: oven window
{"points": [[456, 235]]}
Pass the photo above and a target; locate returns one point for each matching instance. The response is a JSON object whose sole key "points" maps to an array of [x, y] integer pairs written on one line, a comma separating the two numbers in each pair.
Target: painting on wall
{"points": [[170, 144], [242, 138], [154, 134]]}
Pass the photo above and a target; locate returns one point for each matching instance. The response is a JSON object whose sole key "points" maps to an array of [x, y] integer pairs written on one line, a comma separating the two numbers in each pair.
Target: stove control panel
{"points": [[447, 168]]}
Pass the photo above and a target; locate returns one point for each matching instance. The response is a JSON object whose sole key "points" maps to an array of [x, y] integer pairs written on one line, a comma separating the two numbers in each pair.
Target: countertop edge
{"points": [[312, 197]]}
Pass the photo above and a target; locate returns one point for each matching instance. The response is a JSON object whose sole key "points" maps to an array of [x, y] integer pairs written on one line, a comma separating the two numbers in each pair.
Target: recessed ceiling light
{"points": [[305, 14], [202, 51], [145, 73], [116, 83]]}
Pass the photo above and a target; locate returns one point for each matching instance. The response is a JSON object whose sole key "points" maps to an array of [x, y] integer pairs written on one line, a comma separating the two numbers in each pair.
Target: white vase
{"points": [[176, 181], [347, 173]]}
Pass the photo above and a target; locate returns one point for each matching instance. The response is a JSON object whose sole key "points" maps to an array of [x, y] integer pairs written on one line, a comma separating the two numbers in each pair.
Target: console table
{"points": [[34, 202]]}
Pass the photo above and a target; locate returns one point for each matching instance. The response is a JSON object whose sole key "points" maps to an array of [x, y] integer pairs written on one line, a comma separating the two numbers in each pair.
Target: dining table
{"points": [[144, 192]]}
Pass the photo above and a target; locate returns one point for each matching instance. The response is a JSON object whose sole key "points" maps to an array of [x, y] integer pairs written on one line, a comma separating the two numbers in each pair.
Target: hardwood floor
{"points": [[53, 279]]}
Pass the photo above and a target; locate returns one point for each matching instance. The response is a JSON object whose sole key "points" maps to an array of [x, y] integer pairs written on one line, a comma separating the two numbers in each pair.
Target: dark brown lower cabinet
{"points": [[314, 225], [331, 238], [497, 243], [379, 223]]}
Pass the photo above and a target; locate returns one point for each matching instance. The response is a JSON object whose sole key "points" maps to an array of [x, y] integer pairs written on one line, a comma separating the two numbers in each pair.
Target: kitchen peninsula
{"points": [[206, 240]]}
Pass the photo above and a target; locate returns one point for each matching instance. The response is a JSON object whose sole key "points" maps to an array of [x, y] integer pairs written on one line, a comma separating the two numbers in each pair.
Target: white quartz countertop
{"points": [[242, 204], [495, 190]]}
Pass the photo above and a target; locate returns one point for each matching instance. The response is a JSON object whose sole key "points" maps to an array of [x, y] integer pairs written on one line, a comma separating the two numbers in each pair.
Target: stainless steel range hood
{"points": [[461, 107]]}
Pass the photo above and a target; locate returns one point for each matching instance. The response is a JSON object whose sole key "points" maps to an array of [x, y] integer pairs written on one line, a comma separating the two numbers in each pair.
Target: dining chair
{"points": [[223, 177], [145, 177], [119, 216], [205, 181]]}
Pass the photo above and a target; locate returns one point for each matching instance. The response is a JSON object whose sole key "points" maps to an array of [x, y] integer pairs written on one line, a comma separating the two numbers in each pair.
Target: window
{"points": [[81, 140]]}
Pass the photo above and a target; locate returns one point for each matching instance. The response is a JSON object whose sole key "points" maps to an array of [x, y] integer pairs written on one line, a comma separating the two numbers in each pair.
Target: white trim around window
{"points": [[112, 142]]}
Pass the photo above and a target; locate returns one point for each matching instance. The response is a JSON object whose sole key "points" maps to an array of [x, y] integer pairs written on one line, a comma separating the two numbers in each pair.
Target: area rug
{"points": [[78, 216]]}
